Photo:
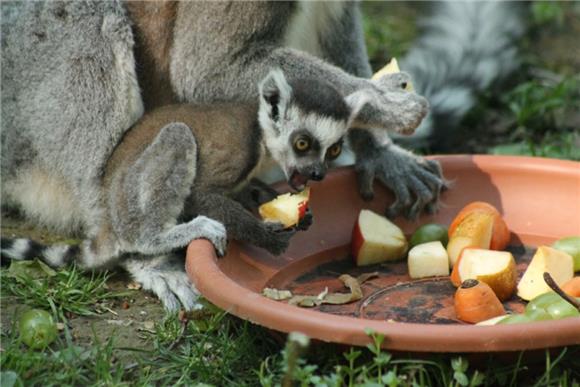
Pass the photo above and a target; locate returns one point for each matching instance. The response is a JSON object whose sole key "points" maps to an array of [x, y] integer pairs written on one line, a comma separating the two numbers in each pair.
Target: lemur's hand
{"points": [[306, 221], [416, 182], [389, 106], [278, 237]]}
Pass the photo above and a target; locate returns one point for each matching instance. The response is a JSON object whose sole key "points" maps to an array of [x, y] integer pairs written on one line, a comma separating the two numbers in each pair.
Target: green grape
{"points": [[429, 233], [37, 328], [538, 315], [562, 309], [543, 301], [570, 245]]}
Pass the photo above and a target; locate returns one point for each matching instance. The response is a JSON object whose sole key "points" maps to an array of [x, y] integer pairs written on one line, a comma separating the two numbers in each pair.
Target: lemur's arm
{"points": [[240, 224], [417, 183], [220, 73]]}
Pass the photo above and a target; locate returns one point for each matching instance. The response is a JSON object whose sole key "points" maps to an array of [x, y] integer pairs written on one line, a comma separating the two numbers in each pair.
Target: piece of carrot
{"points": [[572, 287], [475, 301], [501, 233]]}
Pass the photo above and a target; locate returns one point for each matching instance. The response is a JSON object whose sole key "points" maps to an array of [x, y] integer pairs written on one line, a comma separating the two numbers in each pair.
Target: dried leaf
{"points": [[275, 294], [134, 285]]}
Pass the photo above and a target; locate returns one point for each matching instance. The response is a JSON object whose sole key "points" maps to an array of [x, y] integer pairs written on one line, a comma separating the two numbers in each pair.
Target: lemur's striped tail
{"points": [[21, 249]]}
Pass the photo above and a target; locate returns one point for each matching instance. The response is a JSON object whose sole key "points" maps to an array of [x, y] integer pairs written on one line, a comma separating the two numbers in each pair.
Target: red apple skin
{"points": [[356, 241], [302, 207]]}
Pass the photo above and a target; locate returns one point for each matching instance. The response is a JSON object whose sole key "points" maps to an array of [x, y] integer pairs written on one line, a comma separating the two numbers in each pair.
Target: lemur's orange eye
{"points": [[302, 144], [334, 151]]}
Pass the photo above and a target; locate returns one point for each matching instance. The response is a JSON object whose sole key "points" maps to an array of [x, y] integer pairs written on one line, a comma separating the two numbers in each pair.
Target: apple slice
{"points": [[428, 260], [495, 268], [475, 230], [287, 209], [376, 239], [547, 259]]}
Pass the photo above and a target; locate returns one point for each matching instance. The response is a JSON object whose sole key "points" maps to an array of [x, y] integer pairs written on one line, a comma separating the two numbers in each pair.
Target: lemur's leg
{"points": [[147, 199], [416, 182], [240, 223]]}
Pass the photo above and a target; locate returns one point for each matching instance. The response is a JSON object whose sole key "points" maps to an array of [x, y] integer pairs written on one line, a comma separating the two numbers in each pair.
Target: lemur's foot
{"points": [[165, 276], [416, 182], [278, 237], [213, 231]]}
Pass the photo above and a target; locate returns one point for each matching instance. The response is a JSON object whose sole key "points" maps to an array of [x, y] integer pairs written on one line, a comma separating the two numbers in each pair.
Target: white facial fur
{"points": [[290, 119]]}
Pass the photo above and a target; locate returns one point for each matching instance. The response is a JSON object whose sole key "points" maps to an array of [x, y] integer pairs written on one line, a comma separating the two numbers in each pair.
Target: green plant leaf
{"points": [[22, 270]]}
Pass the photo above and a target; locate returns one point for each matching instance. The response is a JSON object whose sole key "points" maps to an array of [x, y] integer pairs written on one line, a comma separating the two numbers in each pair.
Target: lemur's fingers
{"points": [[166, 278], [365, 178], [306, 221]]}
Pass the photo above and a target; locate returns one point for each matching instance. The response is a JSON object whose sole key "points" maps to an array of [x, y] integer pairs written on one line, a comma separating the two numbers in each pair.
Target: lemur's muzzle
{"points": [[300, 177]]}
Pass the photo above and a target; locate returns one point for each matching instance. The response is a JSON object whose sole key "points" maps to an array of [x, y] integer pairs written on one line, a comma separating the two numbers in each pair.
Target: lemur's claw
{"points": [[416, 182]]}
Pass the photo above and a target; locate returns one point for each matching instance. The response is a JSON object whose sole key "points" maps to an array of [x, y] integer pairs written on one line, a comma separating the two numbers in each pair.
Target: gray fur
{"points": [[69, 93], [465, 47]]}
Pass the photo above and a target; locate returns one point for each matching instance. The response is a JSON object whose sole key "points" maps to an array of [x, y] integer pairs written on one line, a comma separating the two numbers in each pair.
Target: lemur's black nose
{"points": [[317, 175]]}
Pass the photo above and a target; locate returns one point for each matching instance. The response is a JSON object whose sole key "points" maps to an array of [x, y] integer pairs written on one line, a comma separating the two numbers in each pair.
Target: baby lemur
{"points": [[178, 175]]}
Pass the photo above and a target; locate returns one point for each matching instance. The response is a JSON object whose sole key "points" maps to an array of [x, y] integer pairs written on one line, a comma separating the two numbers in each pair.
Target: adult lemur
{"points": [[72, 85]]}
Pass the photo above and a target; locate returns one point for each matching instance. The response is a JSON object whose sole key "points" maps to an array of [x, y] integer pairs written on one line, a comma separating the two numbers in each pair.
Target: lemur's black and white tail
{"points": [[464, 48], [21, 249]]}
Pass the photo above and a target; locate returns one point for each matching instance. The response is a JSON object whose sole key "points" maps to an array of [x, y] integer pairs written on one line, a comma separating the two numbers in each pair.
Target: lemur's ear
{"points": [[356, 102], [276, 92]]}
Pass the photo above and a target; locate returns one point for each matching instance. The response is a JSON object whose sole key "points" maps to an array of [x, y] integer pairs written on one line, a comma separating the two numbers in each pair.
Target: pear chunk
{"points": [[547, 259], [495, 268]]}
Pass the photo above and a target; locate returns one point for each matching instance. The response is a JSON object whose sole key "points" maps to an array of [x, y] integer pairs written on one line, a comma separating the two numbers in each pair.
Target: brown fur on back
{"points": [[226, 156], [153, 24]]}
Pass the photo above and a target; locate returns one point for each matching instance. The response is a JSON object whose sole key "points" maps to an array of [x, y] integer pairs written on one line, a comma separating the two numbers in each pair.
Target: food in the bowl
{"points": [[546, 259], [572, 287], [516, 319], [500, 235], [495, 268], [287, 209], [570, 245], [429, 232], [475, 230], [552, 304], [428, 260], [475, 301], [492, 321], [375, 239]]}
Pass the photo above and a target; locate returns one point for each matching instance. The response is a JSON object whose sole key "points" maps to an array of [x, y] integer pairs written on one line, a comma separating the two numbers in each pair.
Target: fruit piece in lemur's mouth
{"points": [[297, 181], [287, 209]]}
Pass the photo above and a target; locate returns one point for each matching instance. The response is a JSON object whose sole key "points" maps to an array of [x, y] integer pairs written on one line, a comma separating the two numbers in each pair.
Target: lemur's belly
{"points": [[46, 199]]}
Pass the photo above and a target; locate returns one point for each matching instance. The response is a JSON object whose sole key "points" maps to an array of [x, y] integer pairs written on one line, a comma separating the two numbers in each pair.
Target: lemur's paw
{"points": [[306, 221], [278, 238], [213, 231], [416, 182], [165, 276], [390, 106]]}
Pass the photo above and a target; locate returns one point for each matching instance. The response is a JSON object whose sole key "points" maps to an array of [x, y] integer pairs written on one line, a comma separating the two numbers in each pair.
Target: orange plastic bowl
{"points": [[538, 198]]}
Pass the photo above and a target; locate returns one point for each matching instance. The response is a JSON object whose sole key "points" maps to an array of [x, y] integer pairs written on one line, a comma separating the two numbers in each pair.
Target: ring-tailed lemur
{"points": [[173, 178]]}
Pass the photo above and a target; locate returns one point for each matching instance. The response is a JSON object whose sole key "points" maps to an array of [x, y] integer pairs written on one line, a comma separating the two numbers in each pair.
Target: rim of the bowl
{"points": [[217, 287]]}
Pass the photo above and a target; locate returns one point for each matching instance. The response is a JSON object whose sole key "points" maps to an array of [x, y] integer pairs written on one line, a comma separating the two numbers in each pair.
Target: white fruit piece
{"points": [[547, 259], [492, 321], [495, 268], [287, 209], [375, 239], [428, 260], [474, 231]]}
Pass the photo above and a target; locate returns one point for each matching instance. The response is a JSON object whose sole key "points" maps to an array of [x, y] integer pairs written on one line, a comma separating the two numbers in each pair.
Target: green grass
{"points": [[65, 292]]}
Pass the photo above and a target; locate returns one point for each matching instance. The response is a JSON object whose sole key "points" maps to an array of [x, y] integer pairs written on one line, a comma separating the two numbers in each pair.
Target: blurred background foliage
{"points": [[536, 111]]}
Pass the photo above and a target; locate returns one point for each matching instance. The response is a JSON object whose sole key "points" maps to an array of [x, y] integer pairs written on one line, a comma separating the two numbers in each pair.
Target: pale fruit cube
{"points": [[474, 231], [287, 209], [495, 268], [547, 259], [428, 260]]}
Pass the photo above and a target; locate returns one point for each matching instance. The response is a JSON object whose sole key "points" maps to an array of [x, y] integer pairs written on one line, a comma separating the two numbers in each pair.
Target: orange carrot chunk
{"points": [[572, 287], [475, 302]]}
